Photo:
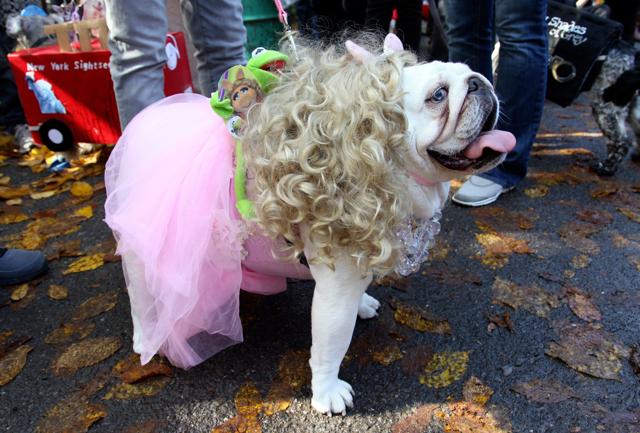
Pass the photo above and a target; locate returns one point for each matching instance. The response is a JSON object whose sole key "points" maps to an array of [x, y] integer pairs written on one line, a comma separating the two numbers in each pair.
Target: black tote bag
{"points": [[576, 39]]}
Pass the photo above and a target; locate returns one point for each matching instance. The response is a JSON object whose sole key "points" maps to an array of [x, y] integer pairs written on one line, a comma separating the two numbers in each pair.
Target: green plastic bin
{"points": [[263, 26]]}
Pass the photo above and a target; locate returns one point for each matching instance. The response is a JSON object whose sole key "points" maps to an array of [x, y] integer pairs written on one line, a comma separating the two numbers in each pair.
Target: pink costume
{"points": [[185, 250]]}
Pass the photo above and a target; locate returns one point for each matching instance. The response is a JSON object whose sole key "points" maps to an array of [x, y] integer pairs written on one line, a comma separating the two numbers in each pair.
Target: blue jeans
{"points": [[521, 81], [137, 32]]}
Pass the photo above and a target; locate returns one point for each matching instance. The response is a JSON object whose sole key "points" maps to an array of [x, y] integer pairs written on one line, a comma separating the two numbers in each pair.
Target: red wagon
{"points": [[66, 90]]}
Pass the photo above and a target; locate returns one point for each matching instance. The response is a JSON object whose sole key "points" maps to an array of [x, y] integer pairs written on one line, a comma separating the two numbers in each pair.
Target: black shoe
{"points": [[20, 266]]}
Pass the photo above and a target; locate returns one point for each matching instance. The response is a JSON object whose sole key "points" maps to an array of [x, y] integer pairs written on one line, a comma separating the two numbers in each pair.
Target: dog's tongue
{"points": [[500, 141]]}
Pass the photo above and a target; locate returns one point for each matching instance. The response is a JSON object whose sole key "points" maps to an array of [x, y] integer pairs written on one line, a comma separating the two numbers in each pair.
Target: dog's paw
{"points": [[604, 168], [368, 307], [332, 397]]}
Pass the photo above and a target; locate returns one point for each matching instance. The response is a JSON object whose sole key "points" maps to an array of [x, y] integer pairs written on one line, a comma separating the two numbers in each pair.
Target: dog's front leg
{"points": [[336, 299]]}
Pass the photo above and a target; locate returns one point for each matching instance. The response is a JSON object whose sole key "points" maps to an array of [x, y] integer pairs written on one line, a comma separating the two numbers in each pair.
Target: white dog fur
{"points": [[340, 293]]}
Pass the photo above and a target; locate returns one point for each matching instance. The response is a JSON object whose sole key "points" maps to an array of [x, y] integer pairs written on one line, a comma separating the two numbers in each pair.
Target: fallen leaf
{"points": [[532, 299], [8, 193], [563, 152], [444, 368], [582, 305], [537, 191], [635, 261], [67, 332], [81, 189], [594, 216], [293, 373], [474, 391], [148, 426], [85, 353], [494, 219], [13, 202], [144, 388], [605, 189], [589, 350], [19, 292], [418, 319], [58, 292], [630, 213], [388, 355], [502, 321], [69, 248], [581, 261], [248, 405], [459, 417], [278, 399], [12, 363], [85, 212], [95, 306], [415, 359], [576, 234], [544, 391], [498, 247], [4, 180], [84, 264], [38, 231], [129, 370], [11, 217], [43, 194], [440, 250], [74, 414]]}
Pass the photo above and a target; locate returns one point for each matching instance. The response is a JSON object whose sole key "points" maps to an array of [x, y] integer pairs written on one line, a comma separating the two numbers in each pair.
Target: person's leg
{"points": [[217, 32], [137, 32], [521, 81], [409, 23], [10, 109], [469, 31]]}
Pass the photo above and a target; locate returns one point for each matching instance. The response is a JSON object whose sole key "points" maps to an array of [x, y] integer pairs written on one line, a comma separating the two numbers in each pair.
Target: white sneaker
{"points": [[478, 191]]}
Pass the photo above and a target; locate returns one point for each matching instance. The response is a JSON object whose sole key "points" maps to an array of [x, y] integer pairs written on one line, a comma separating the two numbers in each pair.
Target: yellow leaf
{"points": [[85, 212], [537, 191], [65, 333], [419, 319], [12, 363], [387, 355], [85, 353], [7, 193], [57, 292], [131, 371], [146, 388], [4, 180], [95, 306], [19, 292], [581, 261], [12, 217], [43, 194], [86, 263], [81, 189], [629, 213], [444, 369], [14, 202], [73, 414], [474, 391], [278, 399]]}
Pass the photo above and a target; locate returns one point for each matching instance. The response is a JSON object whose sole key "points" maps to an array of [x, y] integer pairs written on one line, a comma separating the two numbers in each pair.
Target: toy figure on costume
{"points": [[185, 237]]}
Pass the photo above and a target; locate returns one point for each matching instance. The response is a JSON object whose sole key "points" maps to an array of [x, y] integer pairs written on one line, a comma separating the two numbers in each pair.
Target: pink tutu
{"points": [[171, 207]]}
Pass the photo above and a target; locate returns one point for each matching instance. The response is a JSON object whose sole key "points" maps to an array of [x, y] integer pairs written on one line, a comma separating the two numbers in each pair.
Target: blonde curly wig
{"points": [[326, 149]]}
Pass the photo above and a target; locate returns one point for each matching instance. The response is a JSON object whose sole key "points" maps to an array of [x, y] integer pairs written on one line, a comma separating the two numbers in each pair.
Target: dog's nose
{"points": [[474, 84]]}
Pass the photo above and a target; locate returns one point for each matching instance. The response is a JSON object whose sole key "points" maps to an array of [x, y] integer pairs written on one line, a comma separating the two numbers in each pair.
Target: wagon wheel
{"points": [[56, 135]]}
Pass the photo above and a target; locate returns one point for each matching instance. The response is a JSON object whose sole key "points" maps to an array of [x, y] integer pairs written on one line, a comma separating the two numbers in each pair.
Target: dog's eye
{"points": [[439, 95]]}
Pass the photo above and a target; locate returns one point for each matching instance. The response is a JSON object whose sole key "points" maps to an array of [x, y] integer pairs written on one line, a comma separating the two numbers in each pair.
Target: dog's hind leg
{"points": [[368, 307], [612, 121], [336, 301]]}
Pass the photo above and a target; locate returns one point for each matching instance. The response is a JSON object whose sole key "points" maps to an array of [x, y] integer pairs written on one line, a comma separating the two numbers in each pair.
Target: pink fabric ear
{"points": [[392, 44], [359, 54]]}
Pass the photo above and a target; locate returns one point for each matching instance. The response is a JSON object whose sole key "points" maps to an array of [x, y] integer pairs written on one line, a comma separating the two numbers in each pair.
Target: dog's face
{"points": [[451, 113]]}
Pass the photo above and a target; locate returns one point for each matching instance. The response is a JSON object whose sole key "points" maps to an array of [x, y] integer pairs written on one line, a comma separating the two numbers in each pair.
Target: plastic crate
{"points": [[262, 24]]}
